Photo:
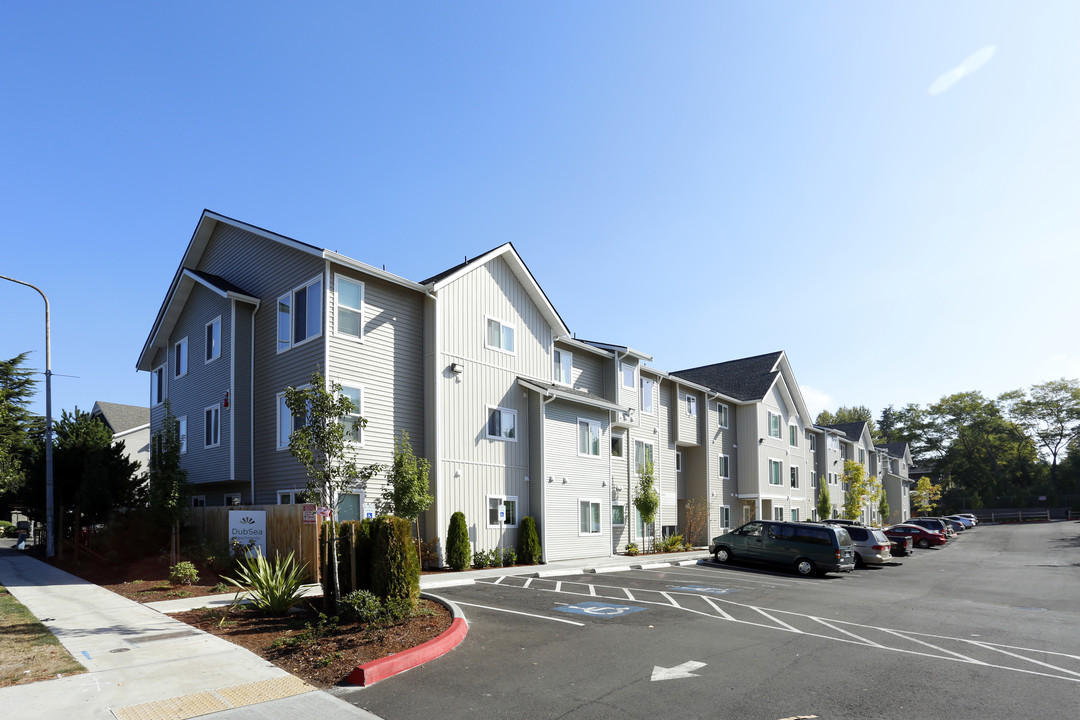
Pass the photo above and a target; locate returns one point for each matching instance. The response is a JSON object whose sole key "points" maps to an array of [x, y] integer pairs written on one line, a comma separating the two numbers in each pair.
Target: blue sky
{"points": [[888, 192]]}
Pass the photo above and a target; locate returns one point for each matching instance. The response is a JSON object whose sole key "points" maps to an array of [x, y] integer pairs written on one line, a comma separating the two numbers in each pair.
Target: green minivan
{"points": [[808, 547]]}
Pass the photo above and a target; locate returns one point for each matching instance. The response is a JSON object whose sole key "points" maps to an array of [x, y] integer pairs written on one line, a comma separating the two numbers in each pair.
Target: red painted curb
{"points": [[376, 670]]}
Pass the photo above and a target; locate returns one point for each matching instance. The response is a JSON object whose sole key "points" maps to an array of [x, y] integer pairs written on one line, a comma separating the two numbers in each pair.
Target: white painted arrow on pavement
{"points": [[686, 670]]}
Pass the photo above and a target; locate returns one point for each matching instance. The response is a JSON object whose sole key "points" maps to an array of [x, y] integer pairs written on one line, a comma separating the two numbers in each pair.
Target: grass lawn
{"points": [[28, 651]]}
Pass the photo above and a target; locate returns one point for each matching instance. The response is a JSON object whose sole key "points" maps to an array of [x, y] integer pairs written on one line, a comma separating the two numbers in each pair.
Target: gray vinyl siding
{"points": [[665, 471], [586, 478], [687, 428], [157, 412], [239, 342], [537, 475], [387, 364], [622, 480], [587, 373]]}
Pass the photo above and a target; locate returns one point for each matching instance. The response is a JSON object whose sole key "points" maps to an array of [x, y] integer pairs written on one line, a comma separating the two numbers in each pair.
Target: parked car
{"points": [[808, 547], [920, 536], [935, 524], [900, 545], [870, 545], [966, 521], [841, 521], [970, 517], [956, 525]]}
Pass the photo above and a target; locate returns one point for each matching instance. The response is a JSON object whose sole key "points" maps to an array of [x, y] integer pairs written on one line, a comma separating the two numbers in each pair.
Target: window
{"points": [[678, 462], [724, 470], [813, 478], [500, 336], [286, 423], [349, 307], [213, 339], [212, 426], [862, 456], [776, 472], [722, 414], [643, 453], [502, 424], [794, 514], [286, 497], [646, 396], [813, 514], [588, 438], [198, 501], [180, 358], [232, 498], [843, 452], [300, 315], [564, 364], [691, 405], [589, 517], [354, 431], [628, 375], [725, 517], [618, 515], [793, 435], [181, 432], [616, 446], [493, 510], [774, 425], [794, 476], [778, 514], [811, 440], [157, 385]]}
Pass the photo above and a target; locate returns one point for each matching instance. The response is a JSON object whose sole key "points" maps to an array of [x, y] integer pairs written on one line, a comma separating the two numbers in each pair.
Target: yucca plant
{"points": [[273, 587]]}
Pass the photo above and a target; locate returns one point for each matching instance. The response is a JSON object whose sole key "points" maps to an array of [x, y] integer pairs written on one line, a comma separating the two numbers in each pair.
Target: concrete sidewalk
{"points": [[143, 665]]}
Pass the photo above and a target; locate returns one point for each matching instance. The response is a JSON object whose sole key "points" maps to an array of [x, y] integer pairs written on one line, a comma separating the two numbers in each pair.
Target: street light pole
{"points": [[50, 535]]}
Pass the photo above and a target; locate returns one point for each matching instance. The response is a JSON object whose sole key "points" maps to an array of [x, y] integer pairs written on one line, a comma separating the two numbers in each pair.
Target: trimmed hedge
{"points": [[395, 568], [458, 552], [529, 551]]}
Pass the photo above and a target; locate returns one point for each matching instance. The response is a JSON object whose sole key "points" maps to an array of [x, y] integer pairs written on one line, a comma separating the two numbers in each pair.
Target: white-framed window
{"points": [[811, 440], [499, 335], [794, 476], [502, 424], [862, 456], [793, 435], [180, 358], [212, 426], [843, 451], [643, 453], [493, 503], [588, 438], [213, 340], [616, 446], [776, 472], [813, 478], [834, 442], [181, 433], [351, 422], [300, 314], [618, 514], [628, 376], [691, 406], [722, 414], [232, 499], [724, 467], [778, 514], [348, 307], [564, 365], [588, 517], [198, 501], [678, 462], [725, 517], [286, 422], [286, 497], [813, 514], [774, 425], [157, 385], [647, 396], [794, 514]]}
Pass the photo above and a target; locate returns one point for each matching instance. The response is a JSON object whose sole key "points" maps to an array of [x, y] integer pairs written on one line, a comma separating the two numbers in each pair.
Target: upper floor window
{"points": [[351, 422], [213, 339], [349, 304], [500, 336], [862, 455], [286, 422], [181, 433], [628, 375], [643, 453], [678, 462], [722, 414], [725, 471], [691, 405], [646, 396], [843, 451], [588, 438], [212, 426], [811, 439], [794, 476], [793, 435], [157, 385], [180, 358], [776, 472], [564, 363], [813, 478], [616, 446], [300, 315], [502, 424], [774, 425]]}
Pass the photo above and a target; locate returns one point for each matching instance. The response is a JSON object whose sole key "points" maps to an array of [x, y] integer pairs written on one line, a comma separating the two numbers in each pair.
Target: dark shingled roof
{"points": [[121, 417], [451, 271], [219, 282], [743, 379], [896, 449], [853, 430]]}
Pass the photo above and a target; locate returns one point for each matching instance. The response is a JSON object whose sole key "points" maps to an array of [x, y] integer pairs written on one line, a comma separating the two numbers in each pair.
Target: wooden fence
{"points": [[285, 531]]}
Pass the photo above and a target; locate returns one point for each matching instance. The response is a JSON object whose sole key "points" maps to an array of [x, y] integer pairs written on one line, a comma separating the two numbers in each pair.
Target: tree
{"points": [[169, 489], [824, 504], [1050, 416], [318, 443], [858, 489], [646, 499], [406, 494], [883, 508], [16, 390], [925, 495], [92, 472], [858, 413]]}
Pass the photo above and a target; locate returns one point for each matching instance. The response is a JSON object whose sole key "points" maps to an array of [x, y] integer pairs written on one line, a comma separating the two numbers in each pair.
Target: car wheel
{"points": [[805, 567], [859, 561], [923, 543], [722, 555]]}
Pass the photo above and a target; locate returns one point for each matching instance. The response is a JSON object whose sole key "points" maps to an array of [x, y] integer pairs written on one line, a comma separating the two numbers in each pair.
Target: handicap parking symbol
{"points": [[702, 589], [599, 609]]}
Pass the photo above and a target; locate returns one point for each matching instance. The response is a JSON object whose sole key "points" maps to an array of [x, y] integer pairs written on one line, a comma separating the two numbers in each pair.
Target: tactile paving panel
{"points": [[203, 703], [263, 690]]}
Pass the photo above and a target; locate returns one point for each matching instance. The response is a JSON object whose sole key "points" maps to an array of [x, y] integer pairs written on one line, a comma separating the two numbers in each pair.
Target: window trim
{"points": [[180, 354], [599, 437], [214, 326], [780, 475], [643, 395], [617, 505], [723, 466], [181, 433], [691, 405], [292, 496], [778, 513], [678, 461], [599, 517], [623, 367], [779, 425], [291, 294], [159, 390], [793, 476], [292, 425], [644, 444], [487, 424], [725, 517], [338, 305], [502, 324], [563, 355], [216, 410], [617, 439], [793, 435], [723, 415], [488, 509], [793, 513]]}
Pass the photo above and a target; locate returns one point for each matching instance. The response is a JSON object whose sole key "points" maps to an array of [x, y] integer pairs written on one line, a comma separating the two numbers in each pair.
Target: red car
{"points": [[922, 537]]}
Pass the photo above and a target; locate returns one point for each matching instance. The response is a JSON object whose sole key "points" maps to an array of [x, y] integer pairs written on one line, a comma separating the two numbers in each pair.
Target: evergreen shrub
{"points": [[395, 569], [528, 550], [458, 552]]}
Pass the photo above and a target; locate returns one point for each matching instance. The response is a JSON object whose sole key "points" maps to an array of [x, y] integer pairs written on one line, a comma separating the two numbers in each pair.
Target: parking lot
{"points": [[988, 625]]}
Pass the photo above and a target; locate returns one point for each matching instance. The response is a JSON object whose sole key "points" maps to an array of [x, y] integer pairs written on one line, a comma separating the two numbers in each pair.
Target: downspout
{"points": [[436, 425], [626, 455], [232, 387], [251, 401], [550, 395]]}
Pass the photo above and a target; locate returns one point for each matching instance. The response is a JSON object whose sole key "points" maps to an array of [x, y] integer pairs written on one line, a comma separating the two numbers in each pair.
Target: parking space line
{"points": [[528, 582], [499, 580], [778, 582], [1021, 657], [907, 636], [518, 612], [850, 634], [792, 628], [718, 609], [592, 590], [558, 586], [671, 600]]}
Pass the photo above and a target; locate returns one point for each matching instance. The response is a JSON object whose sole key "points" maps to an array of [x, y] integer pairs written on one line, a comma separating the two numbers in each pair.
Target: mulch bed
{"points": [[145, 580]]}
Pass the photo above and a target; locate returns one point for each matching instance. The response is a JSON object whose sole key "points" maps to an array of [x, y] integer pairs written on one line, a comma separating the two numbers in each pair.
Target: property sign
{"points": [[248, 525], [369, 511], [502, 513], [309, 513]]}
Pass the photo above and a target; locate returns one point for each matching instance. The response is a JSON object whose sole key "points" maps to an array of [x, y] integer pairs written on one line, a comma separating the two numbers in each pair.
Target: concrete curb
{"points": [[376, 670]]}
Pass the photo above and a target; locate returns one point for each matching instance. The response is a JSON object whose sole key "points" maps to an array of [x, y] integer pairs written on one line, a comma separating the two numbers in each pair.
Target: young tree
{"points": [[169, 489], [857, 489], [883, 509], [824, 504], [925, 495], [318, 443], [406, 494], [646, 499], [16, 390]]}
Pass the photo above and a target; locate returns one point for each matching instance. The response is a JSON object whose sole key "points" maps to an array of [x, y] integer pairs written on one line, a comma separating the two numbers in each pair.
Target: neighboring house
{"points": [[130, 424], [897, 482]]}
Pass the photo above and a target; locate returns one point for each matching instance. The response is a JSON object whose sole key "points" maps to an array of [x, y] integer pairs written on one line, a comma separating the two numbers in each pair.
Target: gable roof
{"points": [[746, 379], [896, 449], [121, 418], [621, 349]]}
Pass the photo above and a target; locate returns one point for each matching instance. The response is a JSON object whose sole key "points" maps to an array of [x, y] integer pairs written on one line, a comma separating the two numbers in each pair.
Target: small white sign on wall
{"points": [[246, 526]]}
